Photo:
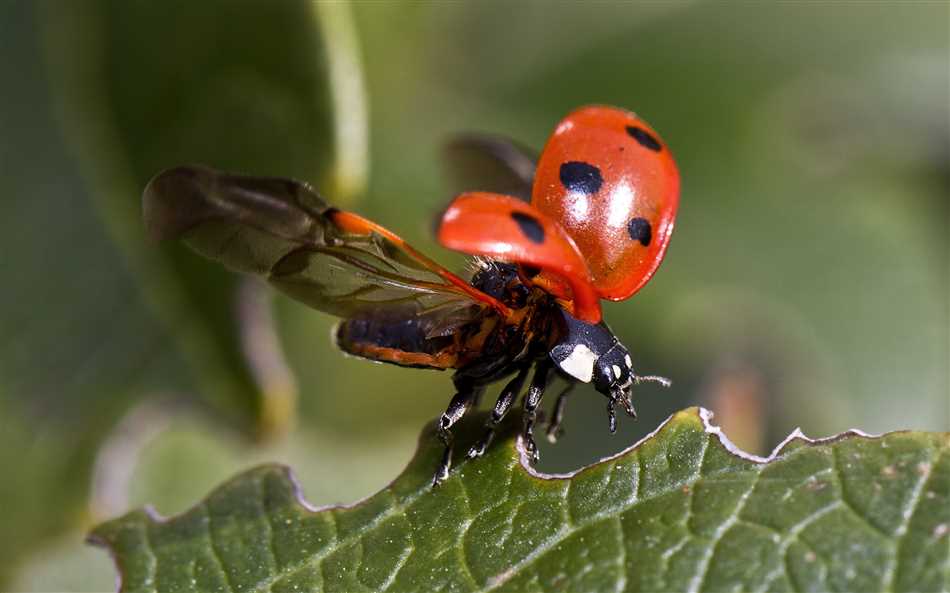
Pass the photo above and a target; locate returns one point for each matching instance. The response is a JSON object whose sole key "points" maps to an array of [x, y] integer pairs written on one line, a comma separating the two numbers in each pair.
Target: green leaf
{"points": [[681, 510]]}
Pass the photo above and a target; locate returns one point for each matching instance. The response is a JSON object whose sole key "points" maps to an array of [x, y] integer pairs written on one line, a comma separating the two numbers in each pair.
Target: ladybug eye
{"points": [[581, 177], [639, 229], [645, 138]]}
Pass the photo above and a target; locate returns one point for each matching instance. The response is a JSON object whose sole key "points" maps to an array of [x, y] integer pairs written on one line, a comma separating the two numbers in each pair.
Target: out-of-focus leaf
{"points": [[77, 340], [682, 510], [64, 566], [81, 346], [239, 85], [796, 187], [181, 461]]}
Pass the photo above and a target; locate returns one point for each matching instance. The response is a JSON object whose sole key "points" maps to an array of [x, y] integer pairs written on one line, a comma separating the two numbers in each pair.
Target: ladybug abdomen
{"points": [[404, 342]]}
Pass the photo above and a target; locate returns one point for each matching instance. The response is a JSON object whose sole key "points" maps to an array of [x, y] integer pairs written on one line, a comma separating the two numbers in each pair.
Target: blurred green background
{"points": [[806, 284]]}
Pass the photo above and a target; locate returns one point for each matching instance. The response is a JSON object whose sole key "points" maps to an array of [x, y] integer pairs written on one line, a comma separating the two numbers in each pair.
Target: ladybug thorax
{"points": [[605, 176]]}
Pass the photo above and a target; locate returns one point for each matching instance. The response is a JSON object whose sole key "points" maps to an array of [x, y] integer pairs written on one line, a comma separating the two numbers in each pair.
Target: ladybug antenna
{"points": [[637, 379]]}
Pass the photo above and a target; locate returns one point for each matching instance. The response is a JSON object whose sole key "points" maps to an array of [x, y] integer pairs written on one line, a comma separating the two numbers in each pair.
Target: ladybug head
{"points": [[591, 353], [614, 377], [613, 372]]}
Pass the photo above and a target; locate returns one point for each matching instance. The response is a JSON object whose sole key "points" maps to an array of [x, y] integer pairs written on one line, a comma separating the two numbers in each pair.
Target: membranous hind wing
{"points": [[490, 163], [391, 296]]}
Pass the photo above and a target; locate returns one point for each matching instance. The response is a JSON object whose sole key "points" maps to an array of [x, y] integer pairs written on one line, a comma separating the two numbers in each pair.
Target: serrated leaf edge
{"points": [[703, 415]]}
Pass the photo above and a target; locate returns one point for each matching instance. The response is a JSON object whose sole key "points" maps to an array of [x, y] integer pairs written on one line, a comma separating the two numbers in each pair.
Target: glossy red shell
{"points": [[610, 181], [507, 228]]}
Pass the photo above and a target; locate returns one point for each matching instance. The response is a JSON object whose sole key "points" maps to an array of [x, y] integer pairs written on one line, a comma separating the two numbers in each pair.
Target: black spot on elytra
{"points": [[581, 177], [530, 226], [645, 138], [639, 229]]}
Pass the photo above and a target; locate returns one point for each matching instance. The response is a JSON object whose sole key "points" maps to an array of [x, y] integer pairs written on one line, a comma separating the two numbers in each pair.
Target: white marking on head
{"points": [[629, 362], [616, 371], [580, 363]]}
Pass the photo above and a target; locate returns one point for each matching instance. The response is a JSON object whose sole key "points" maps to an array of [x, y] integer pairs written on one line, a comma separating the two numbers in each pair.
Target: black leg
{"points": [[532, 400], [554, 430], [627, 403], [460, 404], [502, 405], [612, 415]]}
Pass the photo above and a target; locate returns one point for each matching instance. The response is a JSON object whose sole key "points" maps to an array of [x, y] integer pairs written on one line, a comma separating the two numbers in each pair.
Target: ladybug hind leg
{"points": [[461, 402], [532, 399], [505, 399]]}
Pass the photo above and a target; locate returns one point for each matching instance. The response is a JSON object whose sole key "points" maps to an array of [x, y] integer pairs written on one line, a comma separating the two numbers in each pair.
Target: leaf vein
{"points": [[500, 579], [213, 540], [621, 558], [907, 514], [845, 499], [153, 559], [271, 546], [792, 536], [396, 508], [403, 559], [460, 546], [699, 579]]}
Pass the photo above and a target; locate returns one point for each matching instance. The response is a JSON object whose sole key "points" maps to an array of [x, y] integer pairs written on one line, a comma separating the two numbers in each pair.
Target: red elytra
{"points": [[506, 228], [607, 183], [610, 181]]}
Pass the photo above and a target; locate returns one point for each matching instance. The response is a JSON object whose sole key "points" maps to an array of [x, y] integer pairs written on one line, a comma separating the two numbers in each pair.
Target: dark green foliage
{"points": [[680, 511]]}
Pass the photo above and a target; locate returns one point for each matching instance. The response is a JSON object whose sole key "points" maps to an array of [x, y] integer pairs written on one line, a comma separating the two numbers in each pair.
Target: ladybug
{"points": [[590, 219]]}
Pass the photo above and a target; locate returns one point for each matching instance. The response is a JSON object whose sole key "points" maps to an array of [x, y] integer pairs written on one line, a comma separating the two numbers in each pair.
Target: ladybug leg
{"points": [[502, 405], [532, 400], [554, 430], [621, 397], [612, 416], [461, 402], [626, 400]]}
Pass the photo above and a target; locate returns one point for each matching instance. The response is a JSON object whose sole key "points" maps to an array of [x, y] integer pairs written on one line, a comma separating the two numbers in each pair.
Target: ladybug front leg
{"points": [[612, 416], [461, 402], [532, 400], [502, 405], [623, 399]]}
